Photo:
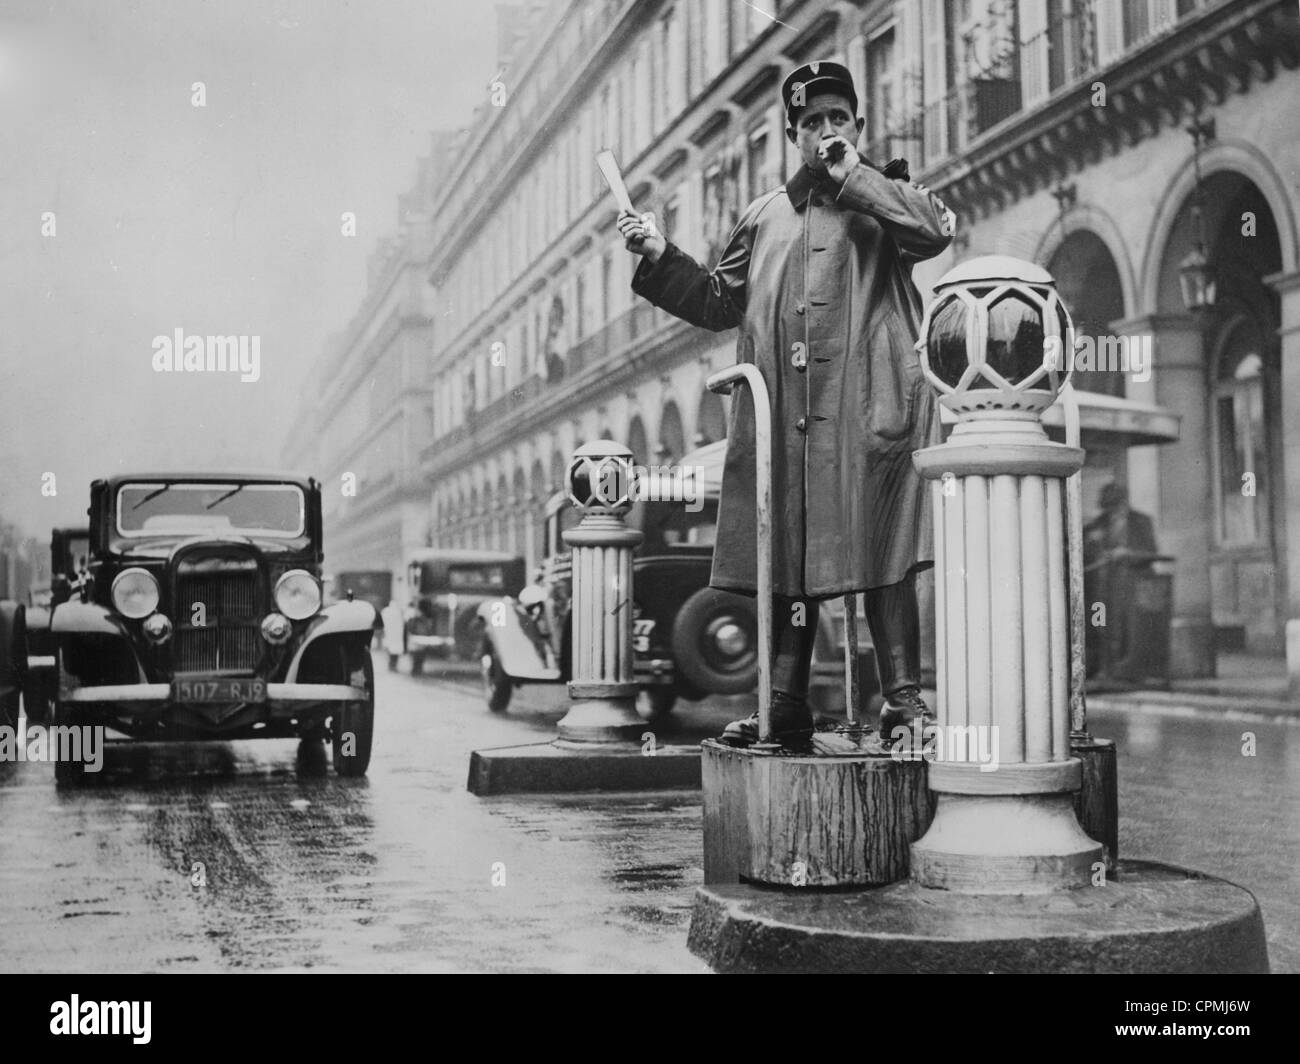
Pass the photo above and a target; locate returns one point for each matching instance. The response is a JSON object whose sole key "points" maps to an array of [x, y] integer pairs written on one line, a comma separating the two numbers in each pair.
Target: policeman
{"points": [[817, 277]]}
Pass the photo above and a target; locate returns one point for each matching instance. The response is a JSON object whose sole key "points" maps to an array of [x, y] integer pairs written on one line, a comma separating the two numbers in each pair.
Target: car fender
{"points": [[340, 618], [86, 618], [519, 646]]}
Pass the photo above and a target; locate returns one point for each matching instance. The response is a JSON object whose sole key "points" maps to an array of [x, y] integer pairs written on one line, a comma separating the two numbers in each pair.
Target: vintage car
{"points": [[689, 640], [447, 587], [202, 618], [13, 661], [69, 555]]}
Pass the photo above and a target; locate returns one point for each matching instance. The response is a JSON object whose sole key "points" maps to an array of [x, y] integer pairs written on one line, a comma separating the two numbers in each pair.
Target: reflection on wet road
{"points": [[255, 856]]}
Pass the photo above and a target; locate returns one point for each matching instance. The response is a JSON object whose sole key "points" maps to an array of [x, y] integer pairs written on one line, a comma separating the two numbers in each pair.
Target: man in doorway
{"points": [[1118, 544], [817, 276]]}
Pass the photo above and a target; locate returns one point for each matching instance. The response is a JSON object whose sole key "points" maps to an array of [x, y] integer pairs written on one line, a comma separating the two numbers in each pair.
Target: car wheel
{"points": [[715, 642], [497, 687], [13, 660], [354, 723], [37, 701], [653, 704], [66, 716]]}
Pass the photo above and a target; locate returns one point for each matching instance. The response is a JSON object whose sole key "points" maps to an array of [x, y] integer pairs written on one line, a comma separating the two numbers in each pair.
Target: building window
{"points": [[1241, 451], [757, 177], [1071, 41], [990, 66], [881, 76], [606, 288]]}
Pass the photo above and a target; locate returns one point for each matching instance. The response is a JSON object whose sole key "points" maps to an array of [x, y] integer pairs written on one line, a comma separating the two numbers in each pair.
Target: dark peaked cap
{"points": [[815, 78]]}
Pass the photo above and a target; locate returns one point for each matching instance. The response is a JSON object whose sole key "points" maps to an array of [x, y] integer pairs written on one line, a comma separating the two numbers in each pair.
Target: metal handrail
{"points": [[722, 382]]}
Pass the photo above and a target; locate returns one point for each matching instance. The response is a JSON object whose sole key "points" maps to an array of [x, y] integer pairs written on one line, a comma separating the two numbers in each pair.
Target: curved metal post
{"points": [[722, 382]]}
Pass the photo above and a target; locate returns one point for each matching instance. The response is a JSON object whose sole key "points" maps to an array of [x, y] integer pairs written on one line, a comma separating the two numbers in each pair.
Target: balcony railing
{"points": [[1065, 52]]}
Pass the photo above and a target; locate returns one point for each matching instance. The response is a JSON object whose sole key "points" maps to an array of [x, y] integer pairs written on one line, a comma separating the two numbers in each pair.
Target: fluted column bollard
{"points": [[602, 687], [996, 344]]}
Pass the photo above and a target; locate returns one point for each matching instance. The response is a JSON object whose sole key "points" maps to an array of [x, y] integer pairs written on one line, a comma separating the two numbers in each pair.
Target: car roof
{"points": [[433, 554], [258, 476]]}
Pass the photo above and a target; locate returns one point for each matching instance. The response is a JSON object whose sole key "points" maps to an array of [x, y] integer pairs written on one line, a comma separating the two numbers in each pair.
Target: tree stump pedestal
{"points": [[838, 817]]}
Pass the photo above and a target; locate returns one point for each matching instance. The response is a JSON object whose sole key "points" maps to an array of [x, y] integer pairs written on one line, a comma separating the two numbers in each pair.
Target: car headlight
{"points": [[135, 593], [297, 595]]}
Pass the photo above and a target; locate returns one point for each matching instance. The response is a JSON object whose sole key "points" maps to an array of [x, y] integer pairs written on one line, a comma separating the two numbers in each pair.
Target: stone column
{"points": [[1287, 285], [1180, 478], [1002, 769], [1002, 667], [602, 686]]}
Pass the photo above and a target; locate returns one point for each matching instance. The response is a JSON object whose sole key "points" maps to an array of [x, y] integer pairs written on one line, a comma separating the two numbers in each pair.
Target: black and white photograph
{"points": [[650, 487]]}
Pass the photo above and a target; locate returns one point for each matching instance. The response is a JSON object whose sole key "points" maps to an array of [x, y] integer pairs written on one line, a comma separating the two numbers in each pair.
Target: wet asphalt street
{"points": [[255, 856]]}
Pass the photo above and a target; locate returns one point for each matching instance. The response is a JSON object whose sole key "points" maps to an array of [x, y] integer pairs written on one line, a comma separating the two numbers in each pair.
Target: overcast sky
{"points": [[222, 219]]}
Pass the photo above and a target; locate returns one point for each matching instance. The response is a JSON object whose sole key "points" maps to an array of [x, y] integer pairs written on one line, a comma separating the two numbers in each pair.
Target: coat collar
{"points": [[805, 182]]}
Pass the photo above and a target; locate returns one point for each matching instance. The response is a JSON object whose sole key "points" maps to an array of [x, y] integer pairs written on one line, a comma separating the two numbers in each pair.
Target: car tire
{"points": [[497, 687], [654, 704], [13, 660], [698, 655], [355, 719], [37, 701], [66, 716]]}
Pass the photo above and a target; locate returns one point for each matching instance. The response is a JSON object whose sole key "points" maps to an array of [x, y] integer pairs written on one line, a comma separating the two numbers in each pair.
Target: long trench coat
{"points": [[818, 278]]}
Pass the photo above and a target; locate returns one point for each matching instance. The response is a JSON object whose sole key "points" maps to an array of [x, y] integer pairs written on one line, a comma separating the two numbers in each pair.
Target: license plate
{"points": [[641, 630], [219, 690]]}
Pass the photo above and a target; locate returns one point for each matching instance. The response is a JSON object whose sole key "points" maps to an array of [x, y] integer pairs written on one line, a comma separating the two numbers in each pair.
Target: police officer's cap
{"points": [[817, 78]]}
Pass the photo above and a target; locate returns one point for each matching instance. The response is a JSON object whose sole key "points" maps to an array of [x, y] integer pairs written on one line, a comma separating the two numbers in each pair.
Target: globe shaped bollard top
{"points": [[601, 477], [997, 342]]}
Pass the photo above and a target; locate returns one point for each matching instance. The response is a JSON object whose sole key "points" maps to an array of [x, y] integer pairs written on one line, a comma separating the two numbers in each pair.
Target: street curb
{"points": [[1195, 704], [551, 768]]}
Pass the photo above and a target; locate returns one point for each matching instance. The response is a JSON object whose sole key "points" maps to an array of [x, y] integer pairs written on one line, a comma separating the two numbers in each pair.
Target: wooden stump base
{"points": [[834, 818]]}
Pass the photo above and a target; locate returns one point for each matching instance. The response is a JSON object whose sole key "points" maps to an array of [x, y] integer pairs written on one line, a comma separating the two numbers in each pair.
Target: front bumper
{"points": [[288, 695], [149, 711]]}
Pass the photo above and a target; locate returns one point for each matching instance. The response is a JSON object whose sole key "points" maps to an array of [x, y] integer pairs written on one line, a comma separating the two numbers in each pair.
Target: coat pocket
{"points": [[896, 375]]}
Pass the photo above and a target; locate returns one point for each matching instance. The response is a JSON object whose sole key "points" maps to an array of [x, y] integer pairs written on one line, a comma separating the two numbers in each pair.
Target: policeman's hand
{"points": [[640, 234], [840, 157]]}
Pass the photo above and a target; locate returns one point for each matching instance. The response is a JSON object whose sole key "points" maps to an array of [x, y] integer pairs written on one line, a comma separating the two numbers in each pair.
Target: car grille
{"points": [[231, 639]]}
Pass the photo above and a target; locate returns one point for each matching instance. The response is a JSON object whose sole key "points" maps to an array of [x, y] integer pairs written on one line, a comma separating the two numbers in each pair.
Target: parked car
{"points": [[689, 640], [69, 557], [447, 587], [202, 618], [13, 661]]}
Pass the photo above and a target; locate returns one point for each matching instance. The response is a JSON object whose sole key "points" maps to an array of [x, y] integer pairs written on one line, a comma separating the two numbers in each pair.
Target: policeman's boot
{"points": [[905, 708], [792, 724]]}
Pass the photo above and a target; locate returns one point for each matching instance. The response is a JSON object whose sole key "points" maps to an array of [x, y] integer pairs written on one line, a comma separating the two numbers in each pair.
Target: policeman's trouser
{"points": [[892, 617]]}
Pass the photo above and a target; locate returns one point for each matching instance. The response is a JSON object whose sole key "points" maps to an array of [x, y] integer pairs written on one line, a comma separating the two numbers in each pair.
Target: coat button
{"points": [[802, 424], [799, 309]]}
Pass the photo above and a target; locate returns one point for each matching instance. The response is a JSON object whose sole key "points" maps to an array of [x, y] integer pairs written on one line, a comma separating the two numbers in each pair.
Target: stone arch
{"points": [[1089, 218], [671, 444], [637, 441], [710, 419], [1232, 157], [1089, 282]]}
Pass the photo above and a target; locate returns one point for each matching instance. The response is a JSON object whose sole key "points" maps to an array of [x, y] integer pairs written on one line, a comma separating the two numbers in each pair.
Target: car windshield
{"points": [[78, 552], [159, 509]]}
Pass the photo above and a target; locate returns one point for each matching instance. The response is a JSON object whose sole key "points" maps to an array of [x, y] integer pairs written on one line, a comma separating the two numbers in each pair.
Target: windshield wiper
{"points": [[151, 495], [233, 491]]}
